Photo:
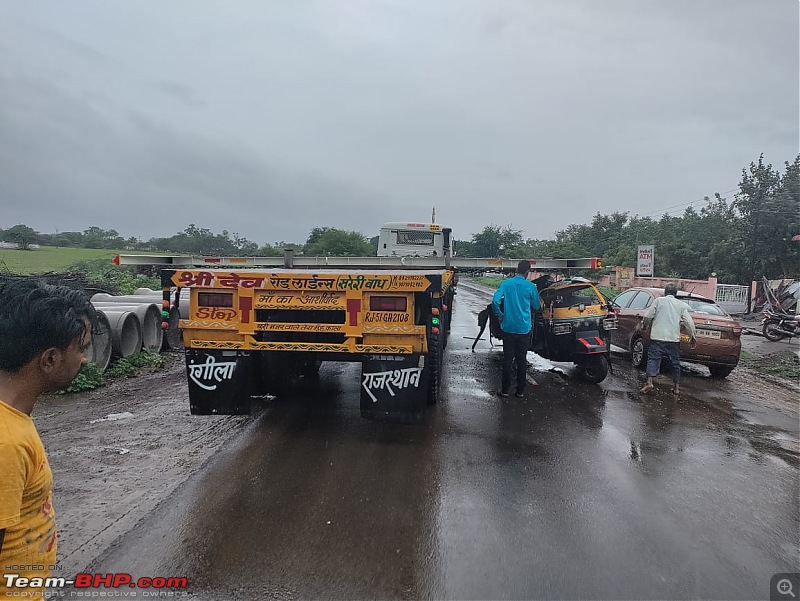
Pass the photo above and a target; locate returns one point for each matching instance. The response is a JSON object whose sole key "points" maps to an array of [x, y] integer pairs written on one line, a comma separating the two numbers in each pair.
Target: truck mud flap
{"points": [[219, 382], [393, 388]]}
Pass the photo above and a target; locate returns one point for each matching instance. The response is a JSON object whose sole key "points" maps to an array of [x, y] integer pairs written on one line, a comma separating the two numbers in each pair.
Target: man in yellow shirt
{"points": [[45, 332]]}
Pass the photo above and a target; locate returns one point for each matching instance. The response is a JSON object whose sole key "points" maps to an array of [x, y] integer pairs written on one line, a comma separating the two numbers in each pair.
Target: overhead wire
{"points": [[685, 204]]}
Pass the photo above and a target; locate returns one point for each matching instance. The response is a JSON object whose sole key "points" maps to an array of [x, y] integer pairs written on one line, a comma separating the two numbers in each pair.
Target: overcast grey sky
{"points": [[271, 117]]}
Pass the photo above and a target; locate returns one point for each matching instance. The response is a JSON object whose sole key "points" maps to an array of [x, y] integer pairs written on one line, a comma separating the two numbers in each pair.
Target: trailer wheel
{"points": [[594, 369], [279, 372], [433, 367], [311, 368]]}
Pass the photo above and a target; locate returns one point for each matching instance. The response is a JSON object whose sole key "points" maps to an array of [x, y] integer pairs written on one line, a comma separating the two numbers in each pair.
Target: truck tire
{"points": [[433, 368], [279, 372], [310, 368]]}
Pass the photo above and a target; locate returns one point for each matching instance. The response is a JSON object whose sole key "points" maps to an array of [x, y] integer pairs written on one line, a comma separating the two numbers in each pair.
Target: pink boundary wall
{"points": [[625, 277]]}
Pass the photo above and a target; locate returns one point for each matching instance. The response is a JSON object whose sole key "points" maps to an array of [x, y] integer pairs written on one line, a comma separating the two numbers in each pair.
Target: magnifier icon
{"points": [[784, 587]]}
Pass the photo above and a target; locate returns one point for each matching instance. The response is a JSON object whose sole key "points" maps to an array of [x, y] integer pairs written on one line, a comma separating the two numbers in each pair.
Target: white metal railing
{"points": [[731, 297]]}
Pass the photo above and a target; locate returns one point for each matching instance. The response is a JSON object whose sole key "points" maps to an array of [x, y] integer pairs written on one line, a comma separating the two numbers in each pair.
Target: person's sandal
{"points": [[646, 388]]}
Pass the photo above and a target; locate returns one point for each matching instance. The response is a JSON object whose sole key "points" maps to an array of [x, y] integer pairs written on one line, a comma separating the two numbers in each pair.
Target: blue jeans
{"points": [[515, 348], [659, 350]]}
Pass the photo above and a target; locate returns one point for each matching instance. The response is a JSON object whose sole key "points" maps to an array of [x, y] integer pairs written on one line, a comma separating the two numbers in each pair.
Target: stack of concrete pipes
{"points": [[130, 323]]}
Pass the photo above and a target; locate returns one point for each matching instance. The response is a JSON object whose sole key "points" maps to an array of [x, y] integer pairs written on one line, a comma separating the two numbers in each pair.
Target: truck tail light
{"points": [[214, 299], [388, 303]]}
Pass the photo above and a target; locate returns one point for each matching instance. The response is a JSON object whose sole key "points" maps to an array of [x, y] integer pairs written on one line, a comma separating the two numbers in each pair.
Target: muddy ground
{"points": [[118, 451]]}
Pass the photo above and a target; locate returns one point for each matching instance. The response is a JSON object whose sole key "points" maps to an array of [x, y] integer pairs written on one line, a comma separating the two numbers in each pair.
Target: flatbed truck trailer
{"points": [[255, 325]]}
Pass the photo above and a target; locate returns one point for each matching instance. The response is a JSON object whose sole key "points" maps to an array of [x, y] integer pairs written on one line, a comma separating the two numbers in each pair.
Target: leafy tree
{"points": [[96, 237], [788, 207], [328, 241], [495, 241], [202, 241], [68, 239], [761, 220], [22, 235]]}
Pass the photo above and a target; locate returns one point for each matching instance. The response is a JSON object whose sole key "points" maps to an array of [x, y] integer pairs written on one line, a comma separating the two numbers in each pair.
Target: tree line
{"points": [[740, 239]]}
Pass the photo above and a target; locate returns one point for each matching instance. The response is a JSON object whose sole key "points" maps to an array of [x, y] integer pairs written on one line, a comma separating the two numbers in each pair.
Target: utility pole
{"points": [[433, 215]]}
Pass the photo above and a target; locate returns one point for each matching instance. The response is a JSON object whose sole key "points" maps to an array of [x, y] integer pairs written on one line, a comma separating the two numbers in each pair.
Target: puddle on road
{"points": [[466, 386], [112, 417]]}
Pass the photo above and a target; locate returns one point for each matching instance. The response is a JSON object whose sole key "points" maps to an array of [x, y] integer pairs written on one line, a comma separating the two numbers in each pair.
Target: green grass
{"points": [[91, 376], [51, 258], [781, 365], [491, 282]]}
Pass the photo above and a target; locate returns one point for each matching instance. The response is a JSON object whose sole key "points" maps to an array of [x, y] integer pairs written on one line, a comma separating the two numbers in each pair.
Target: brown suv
{"points": [[718, 334]]}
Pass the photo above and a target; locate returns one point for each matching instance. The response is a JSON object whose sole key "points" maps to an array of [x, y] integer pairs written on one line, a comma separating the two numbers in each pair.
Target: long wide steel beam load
{"points": [[303, 262]]}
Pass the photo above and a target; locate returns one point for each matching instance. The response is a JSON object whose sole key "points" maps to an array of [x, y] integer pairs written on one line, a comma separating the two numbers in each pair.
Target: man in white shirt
{"points": [[666, 314]]}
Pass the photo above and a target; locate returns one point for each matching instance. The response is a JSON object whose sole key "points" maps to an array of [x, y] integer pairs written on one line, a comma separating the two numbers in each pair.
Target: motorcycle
{"points": [[776, 326]]}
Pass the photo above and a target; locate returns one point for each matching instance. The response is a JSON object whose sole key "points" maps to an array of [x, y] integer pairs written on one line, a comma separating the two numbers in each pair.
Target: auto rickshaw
{"points": [[574, 326]]}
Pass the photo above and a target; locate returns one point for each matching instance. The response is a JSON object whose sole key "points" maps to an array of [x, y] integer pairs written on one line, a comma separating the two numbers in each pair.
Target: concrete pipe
{"points": [[128, 299], [126, 331], [153, 296], [145, 292], [172, 339], [149, 315], [99, 351]]}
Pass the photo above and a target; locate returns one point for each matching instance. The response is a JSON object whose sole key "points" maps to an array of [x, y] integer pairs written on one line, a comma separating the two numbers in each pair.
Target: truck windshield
{"points": [[415, 238]]}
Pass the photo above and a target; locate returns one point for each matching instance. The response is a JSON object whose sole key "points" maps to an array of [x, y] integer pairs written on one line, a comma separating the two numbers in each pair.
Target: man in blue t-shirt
{"points": [[520, 297]]}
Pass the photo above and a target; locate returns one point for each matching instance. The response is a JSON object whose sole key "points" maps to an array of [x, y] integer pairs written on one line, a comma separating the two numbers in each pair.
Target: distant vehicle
{"points": [[402, 239], [718, 334]]}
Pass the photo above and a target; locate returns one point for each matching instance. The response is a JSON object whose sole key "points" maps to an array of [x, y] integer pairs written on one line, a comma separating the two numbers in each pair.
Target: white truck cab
{"points": [[406, 239]]}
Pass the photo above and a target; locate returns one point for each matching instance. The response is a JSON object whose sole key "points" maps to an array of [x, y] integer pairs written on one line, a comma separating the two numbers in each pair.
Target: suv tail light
{"points": [[388, 303]]}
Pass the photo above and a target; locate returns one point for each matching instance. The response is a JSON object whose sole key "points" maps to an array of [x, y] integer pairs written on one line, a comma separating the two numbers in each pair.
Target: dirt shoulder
{"points": [[777, 362], [117, 451]]}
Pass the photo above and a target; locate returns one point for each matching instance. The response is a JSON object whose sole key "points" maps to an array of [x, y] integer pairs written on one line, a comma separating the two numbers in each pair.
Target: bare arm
{"points": [[648, 316], [686, 318]]}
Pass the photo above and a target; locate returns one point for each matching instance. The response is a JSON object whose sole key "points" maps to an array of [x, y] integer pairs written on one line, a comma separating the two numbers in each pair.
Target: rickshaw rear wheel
{"points": [[593, 369]]}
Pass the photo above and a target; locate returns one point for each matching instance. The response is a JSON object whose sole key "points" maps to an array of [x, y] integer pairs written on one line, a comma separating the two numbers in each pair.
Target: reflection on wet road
{"points": [[575, 491]]}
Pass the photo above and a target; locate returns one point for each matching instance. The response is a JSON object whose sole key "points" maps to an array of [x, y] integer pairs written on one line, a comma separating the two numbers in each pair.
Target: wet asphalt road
{"points": [[575, 491]]}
